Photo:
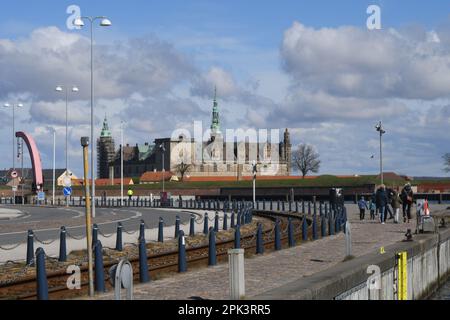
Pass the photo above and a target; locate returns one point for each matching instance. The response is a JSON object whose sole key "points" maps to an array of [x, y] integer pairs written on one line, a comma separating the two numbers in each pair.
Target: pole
{"points": [[163, 169], [54, 165], [254, 191], [121, 163], [92, 119], [67, 129], [21, 172], [381, 155], [13, 154], [85, 144]]}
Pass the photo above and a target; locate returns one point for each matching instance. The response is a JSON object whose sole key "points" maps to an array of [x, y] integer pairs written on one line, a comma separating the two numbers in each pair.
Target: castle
{"points": [[216, 157]]}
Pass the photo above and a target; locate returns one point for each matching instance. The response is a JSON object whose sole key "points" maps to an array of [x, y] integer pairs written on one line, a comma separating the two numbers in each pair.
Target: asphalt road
{"points": [[46, 221]]}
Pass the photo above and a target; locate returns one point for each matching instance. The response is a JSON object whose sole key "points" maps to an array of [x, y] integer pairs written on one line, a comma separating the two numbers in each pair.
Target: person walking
{"points": [[362, 204], [390, 194], [130, 194], [373, 207], [382, 200], [407, 197], [396, 201]]}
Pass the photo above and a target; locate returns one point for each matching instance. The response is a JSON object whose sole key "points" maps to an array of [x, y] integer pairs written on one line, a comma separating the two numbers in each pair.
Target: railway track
{"points": [[160, 264]]}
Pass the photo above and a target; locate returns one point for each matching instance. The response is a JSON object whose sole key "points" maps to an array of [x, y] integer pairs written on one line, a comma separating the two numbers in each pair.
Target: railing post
{"points": [[314, 227], [212, 259], [225, 221], [191, 226], [143, 264], [119, 246], [216, 222], [303, 206], [182, 264], [94, 234], [161, 230], [323, 227], [330, 226], [41, 275], [62, 245], [236, 271], [99, 271], [309, 208], [30, 248]]}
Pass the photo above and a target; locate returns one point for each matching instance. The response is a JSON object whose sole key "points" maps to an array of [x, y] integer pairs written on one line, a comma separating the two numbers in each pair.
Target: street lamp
{"points": [[66, 90], [380, 129], [14, 106], [121, 162], [163, 149], [105, 22], [255, 170]]}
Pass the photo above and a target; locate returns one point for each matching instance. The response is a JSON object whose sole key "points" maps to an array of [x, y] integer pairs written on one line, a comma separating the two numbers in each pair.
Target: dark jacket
{"points": [[381, 198], [407, 192]]}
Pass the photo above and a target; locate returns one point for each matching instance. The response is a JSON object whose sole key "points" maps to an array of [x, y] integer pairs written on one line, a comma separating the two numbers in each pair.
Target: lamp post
{"points": [[54, 167], [255, 170], [105, 22], [66, 90], [380, 129], [121, 162], [163, 149], [14, 106]]}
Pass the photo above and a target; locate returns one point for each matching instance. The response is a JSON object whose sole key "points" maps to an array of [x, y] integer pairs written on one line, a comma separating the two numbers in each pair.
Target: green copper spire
{"points": [[105, 129], [215, 126]]}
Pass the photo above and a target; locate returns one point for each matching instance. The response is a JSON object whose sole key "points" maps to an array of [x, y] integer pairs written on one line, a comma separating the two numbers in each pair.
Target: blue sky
{"points": [[276, 64]]}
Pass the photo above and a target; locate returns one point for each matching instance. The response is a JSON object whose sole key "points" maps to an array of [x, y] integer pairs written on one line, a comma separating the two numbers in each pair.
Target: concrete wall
{"points": [[428, 268]]}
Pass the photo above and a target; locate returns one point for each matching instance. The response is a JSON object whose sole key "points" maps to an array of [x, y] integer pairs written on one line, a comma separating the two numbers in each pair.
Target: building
{"points": [[213, 158], [105, 151]]}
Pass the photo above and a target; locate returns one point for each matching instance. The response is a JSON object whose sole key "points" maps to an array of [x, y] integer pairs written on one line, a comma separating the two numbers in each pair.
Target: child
{"points": [[373, 208], [362, 204]]}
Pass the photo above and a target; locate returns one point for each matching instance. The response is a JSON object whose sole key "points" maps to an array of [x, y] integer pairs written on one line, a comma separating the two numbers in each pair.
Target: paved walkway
{"points": [[272, 270]]}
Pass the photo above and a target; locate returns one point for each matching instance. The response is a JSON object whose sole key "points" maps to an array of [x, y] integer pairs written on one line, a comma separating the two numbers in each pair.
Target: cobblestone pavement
{"points": [[272, 270]]}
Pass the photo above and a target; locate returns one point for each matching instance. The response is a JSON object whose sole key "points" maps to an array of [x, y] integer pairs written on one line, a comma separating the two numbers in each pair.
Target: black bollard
{"points": [[303, 206], [296, 206], [320, 209], [62, 245], [271, 205], [259, 240], [177, 226], [237, 238], [314, 228], [212, 258], [205, 224], [41, 275], [30, 248], [192, 226], [119, 246], [161, 230], [337, 226], [142, 230], [94, 234], [99, 280], [277, 235], [225, 222], [232, 224], [143, 266], [309, 207], [291, 238], [182, 264], [330, 226], [304, 229], [216, 222]]}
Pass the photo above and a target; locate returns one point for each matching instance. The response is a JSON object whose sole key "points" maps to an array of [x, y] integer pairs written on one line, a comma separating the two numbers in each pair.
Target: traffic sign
{"points": [[67, 181], [14, 174], [14, 188], [67, 191], [41, 196]]}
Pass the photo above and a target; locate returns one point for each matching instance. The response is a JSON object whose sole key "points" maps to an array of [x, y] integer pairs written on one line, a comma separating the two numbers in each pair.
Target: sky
{"points": [[310, 66]]}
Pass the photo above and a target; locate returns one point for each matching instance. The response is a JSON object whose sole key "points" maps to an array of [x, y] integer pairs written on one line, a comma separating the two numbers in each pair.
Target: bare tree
{"points": [[447, 162], [182, 169], [306, 159]]}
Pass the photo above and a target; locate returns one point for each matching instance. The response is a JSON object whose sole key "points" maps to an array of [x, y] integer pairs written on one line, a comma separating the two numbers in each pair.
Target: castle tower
{"points": [[288, 151], [215, 124], [105, 151]]}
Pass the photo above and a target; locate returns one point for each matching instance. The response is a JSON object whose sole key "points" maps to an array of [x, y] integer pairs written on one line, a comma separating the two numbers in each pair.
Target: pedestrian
{"points": [[390, 194], [362, 204], [130, 194], [382, 200], [373, 207], [396, 201], [407, 197]]}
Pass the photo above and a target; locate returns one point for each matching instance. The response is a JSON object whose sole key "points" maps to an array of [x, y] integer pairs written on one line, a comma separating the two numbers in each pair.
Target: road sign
{"points": [[67, 181], [14, 188], [67, 191], [14, 174], [41, 196]]}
